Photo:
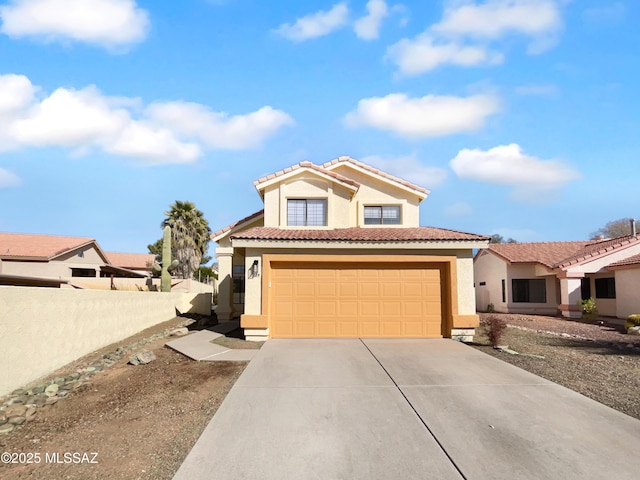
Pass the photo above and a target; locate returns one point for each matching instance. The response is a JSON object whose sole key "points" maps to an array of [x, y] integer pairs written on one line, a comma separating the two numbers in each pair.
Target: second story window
{"points": [[307, 213], [382, 215]]}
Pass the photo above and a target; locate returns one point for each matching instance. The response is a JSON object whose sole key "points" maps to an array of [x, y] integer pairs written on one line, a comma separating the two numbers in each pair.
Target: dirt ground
{"points": [[598, 361], [139, 421]]}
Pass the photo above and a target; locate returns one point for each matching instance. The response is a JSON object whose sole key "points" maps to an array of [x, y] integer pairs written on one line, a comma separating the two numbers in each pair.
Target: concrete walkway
{"points": [[198, 345], [406, 409]]}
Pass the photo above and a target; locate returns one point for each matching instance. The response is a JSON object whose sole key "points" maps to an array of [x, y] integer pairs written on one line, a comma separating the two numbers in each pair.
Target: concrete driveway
{"points": [[406, 409]]}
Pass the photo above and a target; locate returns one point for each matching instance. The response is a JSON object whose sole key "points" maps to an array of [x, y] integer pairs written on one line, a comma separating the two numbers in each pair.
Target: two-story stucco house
{"points": [[338, 252]]}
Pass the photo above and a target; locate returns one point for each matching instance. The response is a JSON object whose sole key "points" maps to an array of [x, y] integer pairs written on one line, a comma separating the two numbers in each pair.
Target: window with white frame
{"points": [[307, 212], [382, 215]]}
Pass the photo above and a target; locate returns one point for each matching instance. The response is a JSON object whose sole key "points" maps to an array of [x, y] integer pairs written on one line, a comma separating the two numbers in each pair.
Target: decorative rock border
{"points": [[21, 405]]}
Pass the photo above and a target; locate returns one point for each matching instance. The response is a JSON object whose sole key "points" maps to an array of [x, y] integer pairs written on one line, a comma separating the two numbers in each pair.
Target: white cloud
{"points": [[460, 209], [426, 53], [317, 24], [469, 33], [368, 27], [496, 18], [87, 119], [509, 165], [218, 129], [408, 167], [108, 23], [429, 116], [16, 92], [9, 179]]}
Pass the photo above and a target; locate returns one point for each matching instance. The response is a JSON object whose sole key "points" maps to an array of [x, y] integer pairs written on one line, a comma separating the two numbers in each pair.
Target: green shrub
{"points": [[490, 308], [589, 308], [632, 321]]}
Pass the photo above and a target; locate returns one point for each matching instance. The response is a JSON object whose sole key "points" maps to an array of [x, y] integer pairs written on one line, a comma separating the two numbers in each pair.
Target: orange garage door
{"points": [[349, 300]]}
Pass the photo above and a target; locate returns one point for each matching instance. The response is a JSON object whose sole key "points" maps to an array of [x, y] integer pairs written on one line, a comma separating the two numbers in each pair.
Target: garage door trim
{"points": [[447, 265]]}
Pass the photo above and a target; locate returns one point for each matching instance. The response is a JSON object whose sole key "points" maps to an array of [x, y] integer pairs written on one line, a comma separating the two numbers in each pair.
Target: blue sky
{"points": [[520, 116]]}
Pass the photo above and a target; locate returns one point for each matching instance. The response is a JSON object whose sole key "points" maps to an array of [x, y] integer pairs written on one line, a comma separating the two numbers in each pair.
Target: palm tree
{"points": [[190, 234]]}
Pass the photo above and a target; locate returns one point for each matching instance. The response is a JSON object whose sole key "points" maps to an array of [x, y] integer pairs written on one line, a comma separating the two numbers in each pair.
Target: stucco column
{"points": [[570, 294], [225, 282]]}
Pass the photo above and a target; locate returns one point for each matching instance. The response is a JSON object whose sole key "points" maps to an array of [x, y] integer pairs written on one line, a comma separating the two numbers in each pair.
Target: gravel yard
{"points": [[598, 361], [143, 420]]}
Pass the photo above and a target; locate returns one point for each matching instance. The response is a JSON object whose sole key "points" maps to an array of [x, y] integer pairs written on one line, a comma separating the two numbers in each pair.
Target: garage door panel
{"points": [[366, 289], [327, 309], [369, 328], [339, 300], [369, 309]]}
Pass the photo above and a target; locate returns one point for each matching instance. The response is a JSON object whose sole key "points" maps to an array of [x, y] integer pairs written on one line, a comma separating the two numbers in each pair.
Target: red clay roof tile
{"points": [[353, 161], [546, 253], [42, 247], [356, 234], [235, 224], [131, 261]]}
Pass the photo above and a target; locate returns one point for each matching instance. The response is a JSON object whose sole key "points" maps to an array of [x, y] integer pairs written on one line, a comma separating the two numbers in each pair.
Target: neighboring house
{"points": [[338, 252], [137, 262], [551, 277], [56, 257]]}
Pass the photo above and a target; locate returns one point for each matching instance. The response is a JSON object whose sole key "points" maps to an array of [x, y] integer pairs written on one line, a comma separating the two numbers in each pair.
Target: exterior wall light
{"points": [[254, 270]]}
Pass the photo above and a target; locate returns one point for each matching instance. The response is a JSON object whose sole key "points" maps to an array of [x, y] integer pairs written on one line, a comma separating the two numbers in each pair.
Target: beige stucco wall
{"points": [[627, 292], [606, 306], [43, 329], [344, 209], [373, 191], [600, 263], [466, 292], [490, 270], [307, 186]]}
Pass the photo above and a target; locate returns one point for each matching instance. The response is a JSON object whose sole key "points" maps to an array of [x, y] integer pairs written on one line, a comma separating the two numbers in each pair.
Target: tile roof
{"points": [[369, 168], [312, 166], [39, 247], [547, 253], [559, 254], [597, 248], [131, 261], [634, 260], [235, 224], [356, 234]]}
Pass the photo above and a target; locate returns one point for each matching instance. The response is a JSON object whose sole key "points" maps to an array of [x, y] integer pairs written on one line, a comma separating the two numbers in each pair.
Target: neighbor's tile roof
{"points": [[40, 247], [235, 224], [546, 253], [635, 260], [353, 161], [597, 248], [559, 254], [356, 234], [131, 261], [312, 166]]}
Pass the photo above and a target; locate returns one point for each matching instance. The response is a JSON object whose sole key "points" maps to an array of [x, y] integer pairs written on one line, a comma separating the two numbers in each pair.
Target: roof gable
{"points": [[362, 167], [24, 246], [301, 167], [597, 249], [235, 226]]}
